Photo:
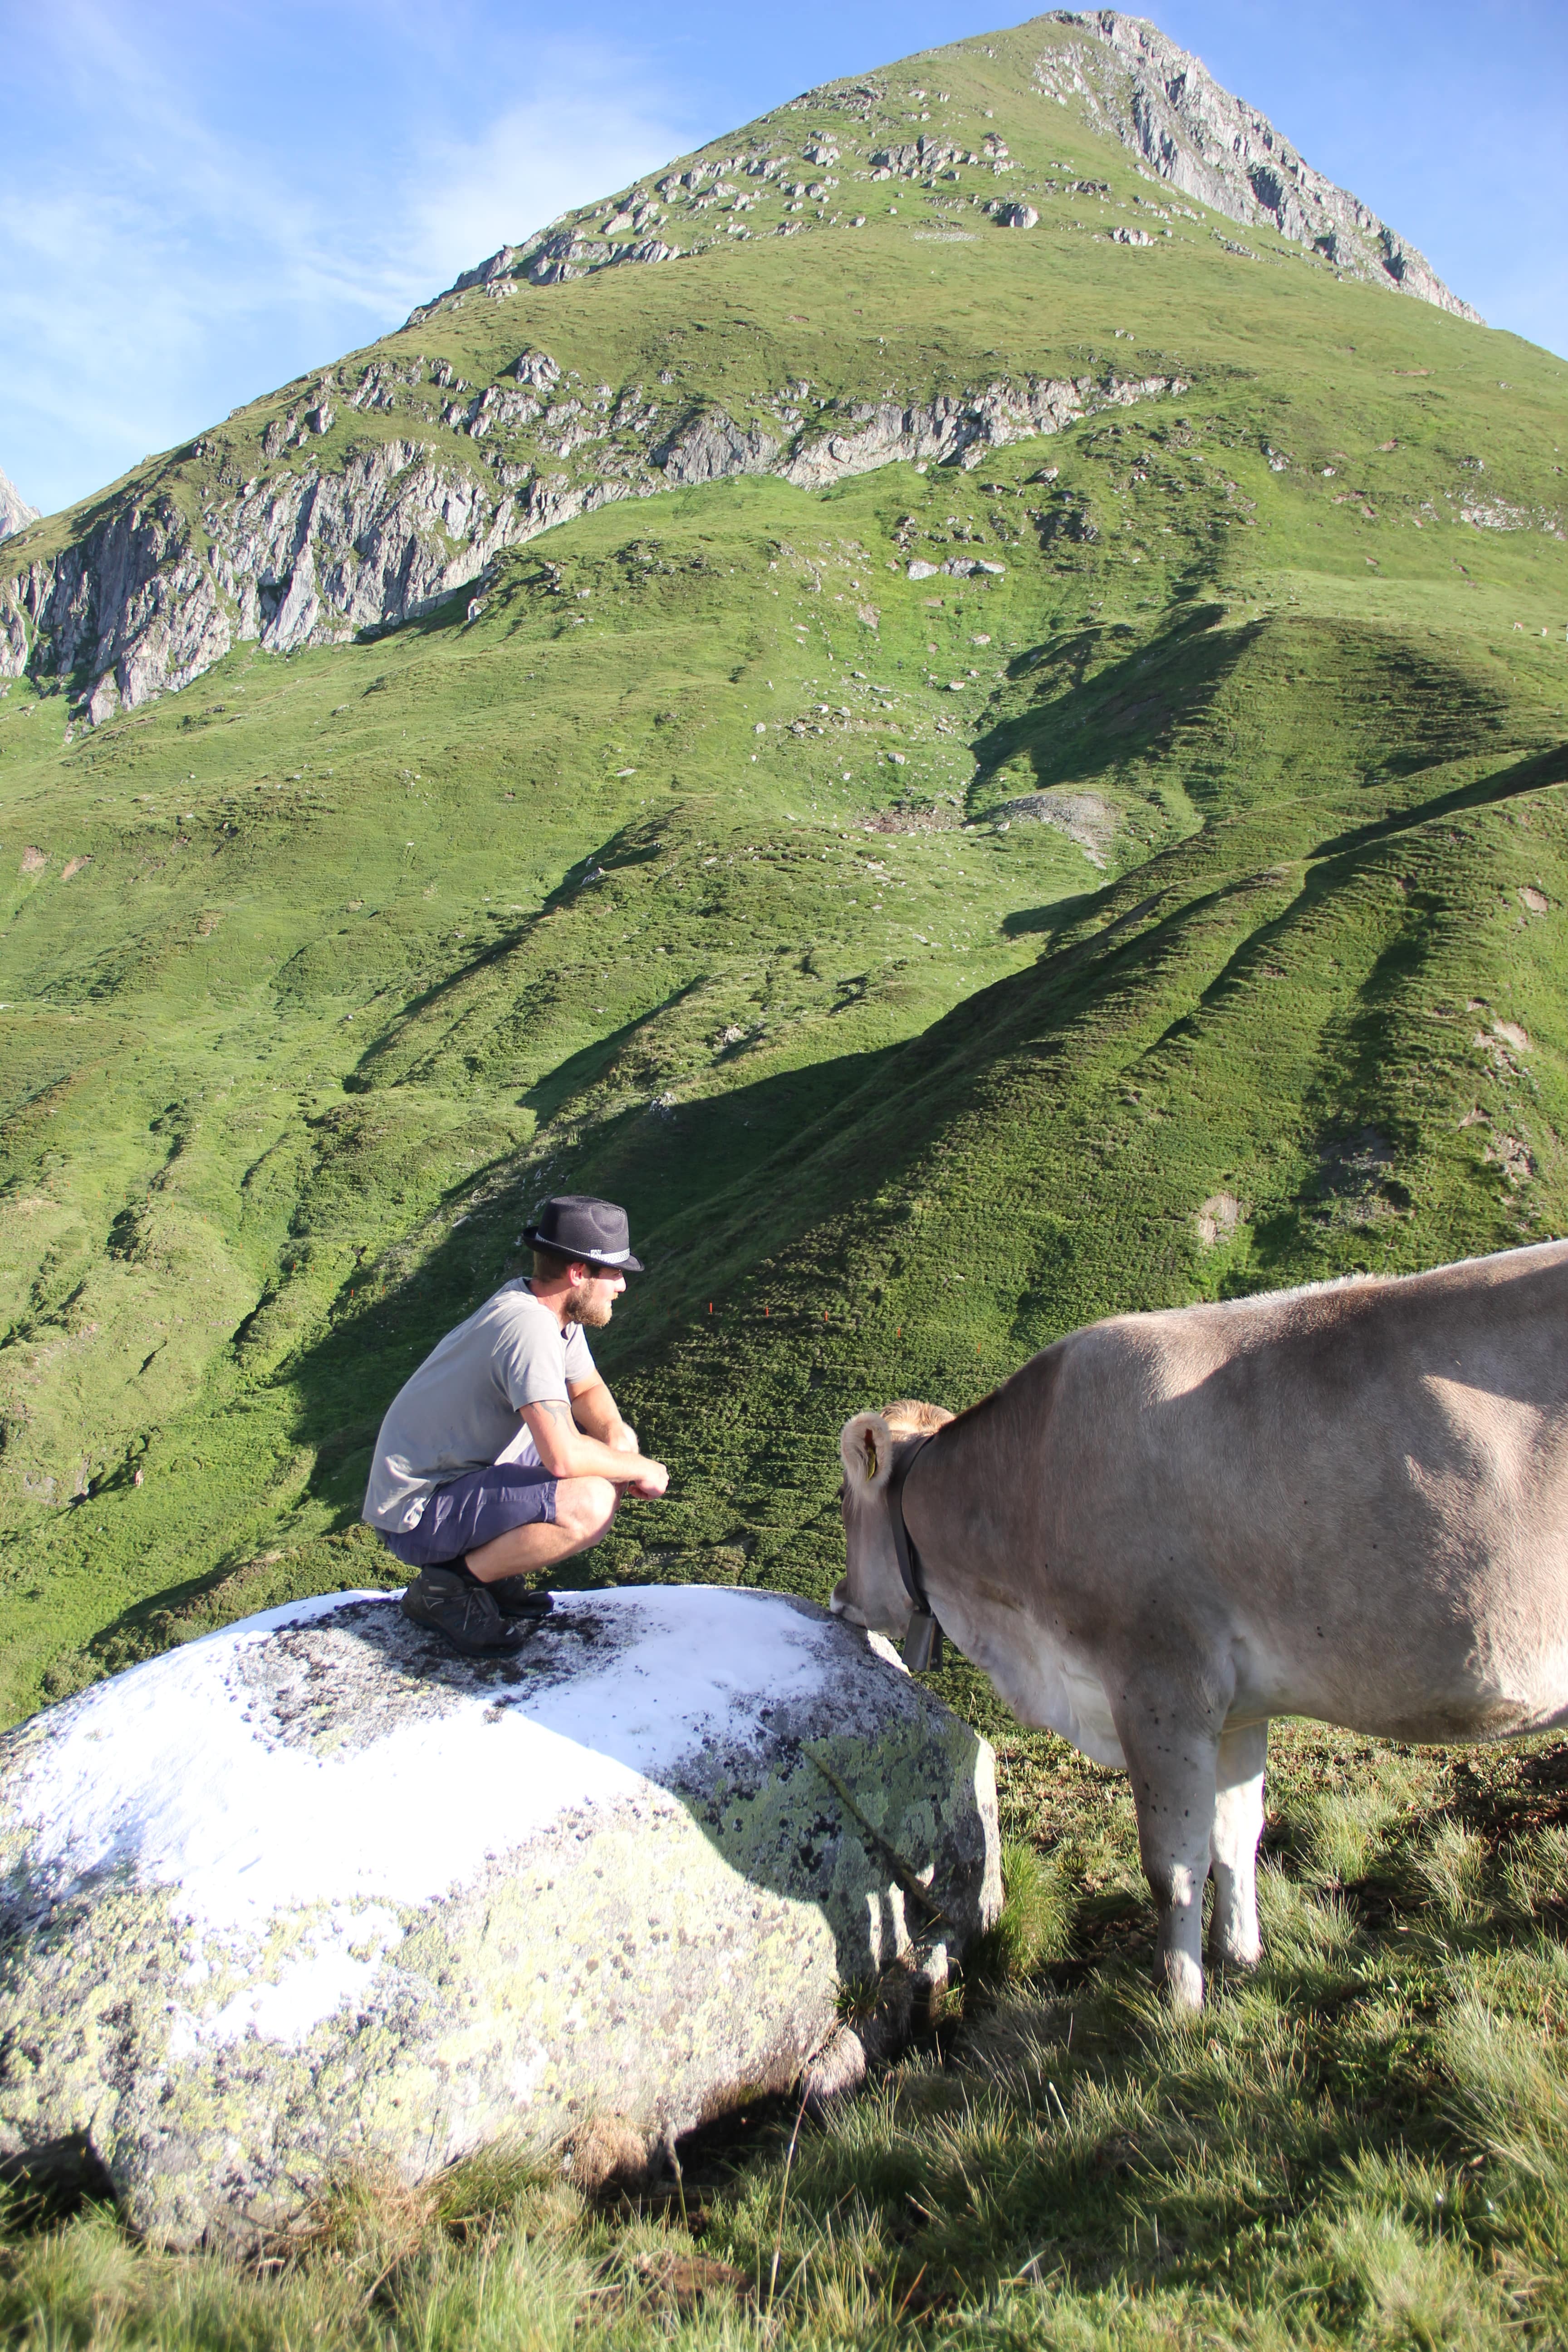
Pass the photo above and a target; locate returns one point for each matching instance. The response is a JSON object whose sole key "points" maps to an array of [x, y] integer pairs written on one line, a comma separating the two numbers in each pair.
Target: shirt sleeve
{"points": [[580, 1364], [530, 1359]]}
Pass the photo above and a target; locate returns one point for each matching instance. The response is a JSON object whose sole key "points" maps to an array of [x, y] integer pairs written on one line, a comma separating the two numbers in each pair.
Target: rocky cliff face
{"points": [[348, 537], [1163, 102], [15, 514]]}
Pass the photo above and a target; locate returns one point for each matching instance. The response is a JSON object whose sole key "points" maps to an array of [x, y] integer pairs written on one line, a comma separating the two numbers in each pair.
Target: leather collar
{"points": [[922, 1642]]}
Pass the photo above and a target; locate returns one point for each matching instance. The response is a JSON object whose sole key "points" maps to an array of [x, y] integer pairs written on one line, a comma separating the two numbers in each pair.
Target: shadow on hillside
{"points": [[717, 1189], [682, 1170], [1050, 922], [1129, 707], [400, 1044], [1530, 776]]}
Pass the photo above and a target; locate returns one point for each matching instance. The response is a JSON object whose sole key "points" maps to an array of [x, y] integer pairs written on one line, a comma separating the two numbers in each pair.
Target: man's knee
{"points": [[585, 1508]]}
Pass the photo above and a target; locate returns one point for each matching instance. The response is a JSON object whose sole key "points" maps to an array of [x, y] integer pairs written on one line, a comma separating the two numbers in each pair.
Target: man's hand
{"points": [[649, 1485], [567, 1451]]}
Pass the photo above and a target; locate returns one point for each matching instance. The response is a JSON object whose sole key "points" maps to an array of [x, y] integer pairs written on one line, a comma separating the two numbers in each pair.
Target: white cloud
{"points": [[536, 159], [165, 267]]}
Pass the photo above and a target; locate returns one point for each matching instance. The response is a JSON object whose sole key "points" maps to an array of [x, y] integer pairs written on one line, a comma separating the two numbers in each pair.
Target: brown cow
{"points": [[1348, 1502]]}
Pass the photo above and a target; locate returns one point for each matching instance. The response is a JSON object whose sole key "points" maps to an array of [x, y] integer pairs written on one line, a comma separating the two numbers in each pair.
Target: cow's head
{"points": [[871, 1590]]}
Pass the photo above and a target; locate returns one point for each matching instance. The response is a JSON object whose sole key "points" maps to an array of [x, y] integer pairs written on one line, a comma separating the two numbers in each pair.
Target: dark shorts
{"points": [[473, 1510]]}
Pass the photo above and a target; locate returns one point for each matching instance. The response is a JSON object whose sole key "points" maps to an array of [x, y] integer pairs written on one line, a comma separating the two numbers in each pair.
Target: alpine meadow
{"points": [[1141, 588]]}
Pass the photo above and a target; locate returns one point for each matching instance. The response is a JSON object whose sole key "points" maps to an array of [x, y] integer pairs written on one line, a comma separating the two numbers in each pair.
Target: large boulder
{"points": [[312, 1894]]}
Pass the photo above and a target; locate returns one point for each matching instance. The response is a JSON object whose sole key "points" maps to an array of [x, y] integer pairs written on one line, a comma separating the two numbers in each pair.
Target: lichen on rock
{"points": [[311, 1893]]}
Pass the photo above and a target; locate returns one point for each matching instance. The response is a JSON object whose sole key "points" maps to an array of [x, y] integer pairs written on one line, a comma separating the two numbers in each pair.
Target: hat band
{"points": [[607, 1257]]}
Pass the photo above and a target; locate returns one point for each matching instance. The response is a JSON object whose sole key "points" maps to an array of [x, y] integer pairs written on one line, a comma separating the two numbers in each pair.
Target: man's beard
{"points": [[580, 1306]]}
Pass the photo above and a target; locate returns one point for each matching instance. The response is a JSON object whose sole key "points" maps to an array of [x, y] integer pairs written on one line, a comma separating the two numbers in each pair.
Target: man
{"points": [[504, 1453]]}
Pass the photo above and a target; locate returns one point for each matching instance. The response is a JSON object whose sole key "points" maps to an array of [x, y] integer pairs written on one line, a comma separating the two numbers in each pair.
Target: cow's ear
{"points": [[866, 1447]]}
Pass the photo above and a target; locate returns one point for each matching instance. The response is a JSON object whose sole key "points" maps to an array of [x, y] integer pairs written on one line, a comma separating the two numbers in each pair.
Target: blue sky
{"points": [[204, 201]]}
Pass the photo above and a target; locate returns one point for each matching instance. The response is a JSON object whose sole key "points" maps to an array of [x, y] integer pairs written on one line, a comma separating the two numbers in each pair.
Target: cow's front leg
{"points": [[1233, 1842], [1172, 1755]]}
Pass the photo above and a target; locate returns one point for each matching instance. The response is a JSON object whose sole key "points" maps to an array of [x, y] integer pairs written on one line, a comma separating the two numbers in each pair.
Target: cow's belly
{"points": [[1466, 1687]]}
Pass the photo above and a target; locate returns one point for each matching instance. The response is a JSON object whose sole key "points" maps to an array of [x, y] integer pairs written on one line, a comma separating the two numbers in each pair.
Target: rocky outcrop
{"points": [[335, 539], [138, 608], [1164, 104], [15, 514], [564, 251], [1086, 818], [312, 1894], [711, 448], [961, 430]]}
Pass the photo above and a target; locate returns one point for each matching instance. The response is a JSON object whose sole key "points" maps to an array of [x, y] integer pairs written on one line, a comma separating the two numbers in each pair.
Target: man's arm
{"points": [[567, 1452], [595, 1410]]}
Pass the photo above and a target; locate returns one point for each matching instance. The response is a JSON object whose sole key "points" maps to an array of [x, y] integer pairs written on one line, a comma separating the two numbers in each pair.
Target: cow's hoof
{"points": [[1181, 1979]]}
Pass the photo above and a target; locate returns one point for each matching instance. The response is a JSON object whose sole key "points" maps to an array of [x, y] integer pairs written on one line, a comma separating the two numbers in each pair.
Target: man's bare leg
{"points": [[585, 1511]]}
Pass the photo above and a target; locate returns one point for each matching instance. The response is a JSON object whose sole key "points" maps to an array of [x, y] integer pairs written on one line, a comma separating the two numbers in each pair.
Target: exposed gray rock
{"points": [[498, 409], [1020, 216], [311, 1893], [710, 447], [536, 368], [305, 558], [914, 156], [1160, 102], [1084, 817], [383, 382], [960, 429], [649, 248], [566, 255], [15, 514], [500, 265], [317, 550]]}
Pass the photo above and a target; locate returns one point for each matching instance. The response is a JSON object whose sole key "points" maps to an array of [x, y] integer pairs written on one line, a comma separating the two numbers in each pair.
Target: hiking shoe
{"points": [[515, 1597], [455, 1605]]}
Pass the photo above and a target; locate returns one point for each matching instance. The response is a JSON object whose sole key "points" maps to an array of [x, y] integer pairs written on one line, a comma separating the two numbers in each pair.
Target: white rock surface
{"points": [[15, 514], [313, 1894]]}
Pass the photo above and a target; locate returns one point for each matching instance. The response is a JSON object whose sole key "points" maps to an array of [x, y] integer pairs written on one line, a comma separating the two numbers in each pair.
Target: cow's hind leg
{"points": [[1233, 1843], [1172, 1760]]}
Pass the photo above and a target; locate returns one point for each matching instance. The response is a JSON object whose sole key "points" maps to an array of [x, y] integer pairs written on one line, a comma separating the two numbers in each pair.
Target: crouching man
{"points": [[504, 1453]]}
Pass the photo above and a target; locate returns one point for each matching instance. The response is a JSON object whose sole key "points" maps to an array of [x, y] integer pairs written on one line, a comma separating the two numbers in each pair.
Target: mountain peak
{"points": [[15, 514], [1124, 79], [1163, 102], [920, 265]]}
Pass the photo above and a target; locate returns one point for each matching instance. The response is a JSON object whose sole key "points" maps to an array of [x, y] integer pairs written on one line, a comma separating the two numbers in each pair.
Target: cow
{"points": [[1348, 1502]]}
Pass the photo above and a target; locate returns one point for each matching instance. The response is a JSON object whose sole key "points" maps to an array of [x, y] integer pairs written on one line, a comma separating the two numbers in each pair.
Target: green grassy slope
{"points": [[703, 864], [932, 964], [372, 946]]}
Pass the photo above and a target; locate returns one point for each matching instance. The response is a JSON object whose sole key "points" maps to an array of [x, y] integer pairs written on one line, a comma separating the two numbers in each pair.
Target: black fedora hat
{"points": [[577, 1225]]}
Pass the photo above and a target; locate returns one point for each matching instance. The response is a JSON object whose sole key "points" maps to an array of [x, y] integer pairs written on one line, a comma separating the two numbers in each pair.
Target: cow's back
{"points": [[1359, 1492]]}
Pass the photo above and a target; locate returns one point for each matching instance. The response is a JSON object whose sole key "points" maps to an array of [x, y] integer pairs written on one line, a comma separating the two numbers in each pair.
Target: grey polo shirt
{"points": [[459, 1411]]}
